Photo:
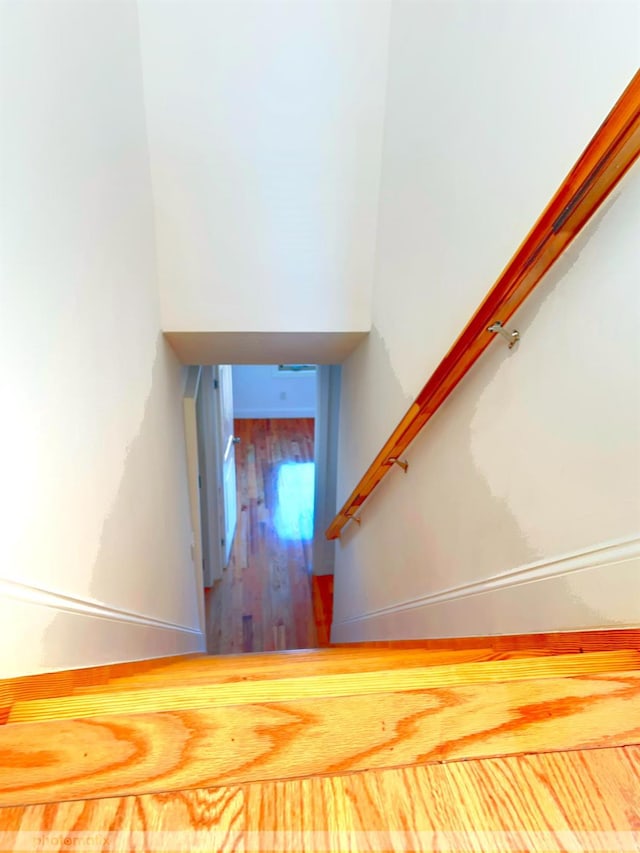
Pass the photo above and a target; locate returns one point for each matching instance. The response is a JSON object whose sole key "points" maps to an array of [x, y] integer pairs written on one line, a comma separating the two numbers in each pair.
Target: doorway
{"points": [[267, 454], [262, 602]]}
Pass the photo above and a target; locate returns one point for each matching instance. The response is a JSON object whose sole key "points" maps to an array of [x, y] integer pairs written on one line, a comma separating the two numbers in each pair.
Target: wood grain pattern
{"points": [[348, 657], [537, 802], [288, 665], [583, 800], [385, 678], [607, 158], [559, 642], [263, 602], [214, 817], [210, 744]]}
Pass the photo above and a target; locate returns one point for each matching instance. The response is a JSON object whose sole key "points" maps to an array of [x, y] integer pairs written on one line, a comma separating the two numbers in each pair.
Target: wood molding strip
{"points": [[559, 642], [213, 745], [598, 556], [63, 603], [606, 159]]}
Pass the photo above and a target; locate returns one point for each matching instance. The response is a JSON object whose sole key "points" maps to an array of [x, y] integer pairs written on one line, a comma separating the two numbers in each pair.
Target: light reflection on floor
{"points": [[293, 518]]}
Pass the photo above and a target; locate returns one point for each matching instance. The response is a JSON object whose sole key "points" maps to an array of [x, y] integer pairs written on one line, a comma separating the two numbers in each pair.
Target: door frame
{"points": [[199, 405], [189, 404], [218, 475], [223, 547], [211, 475], [328, 387], [203, 380]]}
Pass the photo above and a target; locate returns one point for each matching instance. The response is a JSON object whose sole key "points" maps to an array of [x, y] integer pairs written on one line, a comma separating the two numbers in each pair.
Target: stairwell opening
{"points": [[263, 489]]}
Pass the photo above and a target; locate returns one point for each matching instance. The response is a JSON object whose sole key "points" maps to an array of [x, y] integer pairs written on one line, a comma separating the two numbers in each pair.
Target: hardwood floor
{"points": [[585, 800], [263, 602]]}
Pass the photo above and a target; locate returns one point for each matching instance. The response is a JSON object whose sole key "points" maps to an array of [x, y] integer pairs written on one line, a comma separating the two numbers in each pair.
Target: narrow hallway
{"points": [[263, 602]]}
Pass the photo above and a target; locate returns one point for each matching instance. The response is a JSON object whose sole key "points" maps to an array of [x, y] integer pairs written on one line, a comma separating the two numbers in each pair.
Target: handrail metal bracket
{"points": [[354, 518], [511, 337], [395, 460]]}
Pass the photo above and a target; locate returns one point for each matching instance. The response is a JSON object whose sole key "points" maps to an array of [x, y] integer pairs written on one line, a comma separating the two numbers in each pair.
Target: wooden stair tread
{"points": [[264, 669], [155, 739], [210, 670], [260, 666], [546, 802], [557, 642], [161, 697], [196, 669]]}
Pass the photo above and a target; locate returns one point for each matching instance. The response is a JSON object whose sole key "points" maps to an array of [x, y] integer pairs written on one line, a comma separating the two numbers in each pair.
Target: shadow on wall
{"points": [[421, 530], [425, 505], [380, 396], [423, 516], [484, 460], [144, 565]]}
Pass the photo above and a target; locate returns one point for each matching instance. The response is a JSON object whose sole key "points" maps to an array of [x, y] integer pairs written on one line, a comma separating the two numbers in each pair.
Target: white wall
{"points": [[95, 550], [521, 508], [265, 127], [261, 391]]}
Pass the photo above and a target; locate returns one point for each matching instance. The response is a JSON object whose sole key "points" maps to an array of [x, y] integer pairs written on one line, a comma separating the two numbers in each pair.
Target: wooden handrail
{"points": [[608, 156]]}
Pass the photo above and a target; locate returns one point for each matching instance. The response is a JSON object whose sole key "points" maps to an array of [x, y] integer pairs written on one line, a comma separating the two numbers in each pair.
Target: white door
{"points": [[211, 531], [228, 504], [190, 402]]}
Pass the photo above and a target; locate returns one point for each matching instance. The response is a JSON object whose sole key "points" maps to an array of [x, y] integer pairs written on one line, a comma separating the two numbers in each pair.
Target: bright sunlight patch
{"points": [[293, 517]]}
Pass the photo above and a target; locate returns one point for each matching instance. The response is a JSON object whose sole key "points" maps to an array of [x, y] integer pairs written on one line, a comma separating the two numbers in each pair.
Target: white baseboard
{"points": [[50, 631], [252, 414], [595, 588]]}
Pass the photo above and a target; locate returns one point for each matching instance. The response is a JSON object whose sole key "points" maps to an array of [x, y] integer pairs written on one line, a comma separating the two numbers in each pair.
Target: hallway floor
{"points": [[263, 602]]}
